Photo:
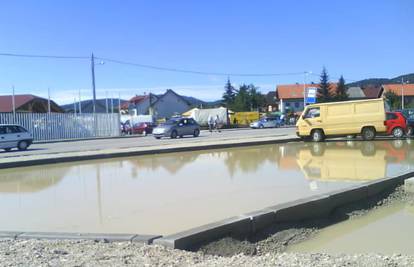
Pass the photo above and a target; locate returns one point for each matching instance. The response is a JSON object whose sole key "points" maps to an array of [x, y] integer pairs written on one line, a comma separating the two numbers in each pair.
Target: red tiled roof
{"points": [[6, 101], [136, 99], [293, 91], [398, 88], [372, 91]]}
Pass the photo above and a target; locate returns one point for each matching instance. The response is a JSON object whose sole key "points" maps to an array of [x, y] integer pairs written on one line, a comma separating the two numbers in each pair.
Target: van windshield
{"points": [[312, 113]]}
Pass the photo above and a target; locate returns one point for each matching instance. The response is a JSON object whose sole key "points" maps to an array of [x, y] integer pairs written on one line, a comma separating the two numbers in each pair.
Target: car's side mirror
{"points": [[180, 124]]}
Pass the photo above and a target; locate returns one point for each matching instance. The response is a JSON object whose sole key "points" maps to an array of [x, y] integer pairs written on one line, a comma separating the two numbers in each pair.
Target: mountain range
{"points": [[380, 81]]}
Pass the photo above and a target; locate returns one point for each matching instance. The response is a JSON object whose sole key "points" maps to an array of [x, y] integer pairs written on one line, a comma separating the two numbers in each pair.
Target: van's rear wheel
{"points": [[317, 135], [368, 133]]}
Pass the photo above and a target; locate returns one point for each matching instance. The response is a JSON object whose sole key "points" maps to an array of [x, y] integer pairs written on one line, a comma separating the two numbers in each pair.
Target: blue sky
{"points": [[359, 39]]}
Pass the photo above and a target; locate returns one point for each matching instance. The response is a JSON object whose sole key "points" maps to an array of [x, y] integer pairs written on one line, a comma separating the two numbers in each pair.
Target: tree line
{"points": [[248, 98], [245, 98]]}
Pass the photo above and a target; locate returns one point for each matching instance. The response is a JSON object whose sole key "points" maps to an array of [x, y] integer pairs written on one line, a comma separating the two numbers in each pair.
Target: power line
{"points": [[41, 56], [161, 68], [197, 72]]}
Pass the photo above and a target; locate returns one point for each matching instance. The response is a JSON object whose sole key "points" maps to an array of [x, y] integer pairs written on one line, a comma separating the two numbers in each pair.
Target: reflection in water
{"points": [[164, 161], [361, 234], [26, 180], [167, 193], [353, 160]]}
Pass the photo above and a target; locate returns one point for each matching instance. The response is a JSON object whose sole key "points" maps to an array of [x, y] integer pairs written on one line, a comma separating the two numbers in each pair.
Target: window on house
{"points": [[297, 104]]}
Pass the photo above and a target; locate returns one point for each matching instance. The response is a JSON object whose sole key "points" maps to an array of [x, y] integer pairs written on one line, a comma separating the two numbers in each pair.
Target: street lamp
{"points": [[304, 87]]}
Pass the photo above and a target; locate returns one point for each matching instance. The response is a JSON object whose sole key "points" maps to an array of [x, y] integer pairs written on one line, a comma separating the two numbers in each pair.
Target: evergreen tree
{"points": [[248, 98], [324, 89], [393, 100], [341, 90], [241, 101], [256, 99], [229, 94]]}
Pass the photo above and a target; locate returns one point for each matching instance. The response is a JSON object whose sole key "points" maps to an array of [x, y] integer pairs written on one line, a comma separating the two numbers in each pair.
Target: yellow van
{"points": [[365, 117]]}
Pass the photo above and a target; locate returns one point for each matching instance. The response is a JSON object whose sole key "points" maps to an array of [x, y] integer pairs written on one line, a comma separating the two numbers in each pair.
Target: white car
{"points": [[12, 136]]}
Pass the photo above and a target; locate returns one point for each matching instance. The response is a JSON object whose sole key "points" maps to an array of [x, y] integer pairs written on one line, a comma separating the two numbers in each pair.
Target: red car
{"points": [[396, 124], [142, 128]]}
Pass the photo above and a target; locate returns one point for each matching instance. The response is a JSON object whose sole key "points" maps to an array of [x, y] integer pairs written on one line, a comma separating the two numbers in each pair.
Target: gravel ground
{"points": [[69, 253], [264, 251]]}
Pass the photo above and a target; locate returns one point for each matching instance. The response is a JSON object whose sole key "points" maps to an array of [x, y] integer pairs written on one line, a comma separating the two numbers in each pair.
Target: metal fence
{"points": [[45, 126]]}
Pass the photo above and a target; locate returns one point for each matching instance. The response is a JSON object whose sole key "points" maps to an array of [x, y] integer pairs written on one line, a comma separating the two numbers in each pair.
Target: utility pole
{"points": [[95, 124], [93, 83]]}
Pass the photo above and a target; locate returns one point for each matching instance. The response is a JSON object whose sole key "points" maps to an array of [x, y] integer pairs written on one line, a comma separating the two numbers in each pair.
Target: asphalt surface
{"points": [[143, 141]]}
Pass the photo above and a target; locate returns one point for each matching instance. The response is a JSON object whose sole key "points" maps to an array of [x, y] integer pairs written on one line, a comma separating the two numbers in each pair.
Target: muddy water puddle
{"points": [[167, 193], [386, 230]]}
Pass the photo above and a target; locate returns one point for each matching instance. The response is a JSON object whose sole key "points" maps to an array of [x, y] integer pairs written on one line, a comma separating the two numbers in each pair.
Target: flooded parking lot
{"points": [[166, 193]]}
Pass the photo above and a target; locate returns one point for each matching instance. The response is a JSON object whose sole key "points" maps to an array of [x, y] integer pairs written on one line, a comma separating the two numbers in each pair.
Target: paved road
{"points": [[141, 141]]}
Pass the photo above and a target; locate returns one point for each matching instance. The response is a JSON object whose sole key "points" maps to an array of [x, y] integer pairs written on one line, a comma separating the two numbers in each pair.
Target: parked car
{"points": [[177, 127], [364, 117], [396, 124], [142, 128], [266, 122], [14, 136], [409, 116]]}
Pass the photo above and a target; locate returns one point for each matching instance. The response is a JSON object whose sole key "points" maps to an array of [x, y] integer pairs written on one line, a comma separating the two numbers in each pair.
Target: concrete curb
{"points": [[235, 226], [315, 207], [145, 239], [118, 154]]}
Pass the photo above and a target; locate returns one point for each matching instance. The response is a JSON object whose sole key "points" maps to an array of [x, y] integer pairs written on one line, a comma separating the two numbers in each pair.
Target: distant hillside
{"points": [[200, 103], [87, 106], [101, 108], [379, 81]]}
